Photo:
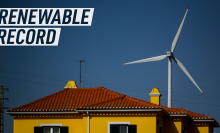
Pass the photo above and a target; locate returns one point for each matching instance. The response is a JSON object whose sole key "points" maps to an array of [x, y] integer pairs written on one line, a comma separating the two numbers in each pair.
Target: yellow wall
{"points": [[146, 122], [172, 125], [200, 128], [85, 124], [27, 124]]}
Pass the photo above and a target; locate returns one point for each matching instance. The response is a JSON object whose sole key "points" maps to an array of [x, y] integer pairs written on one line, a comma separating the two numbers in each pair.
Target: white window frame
{"points": [[121, 123], [51, 125]]}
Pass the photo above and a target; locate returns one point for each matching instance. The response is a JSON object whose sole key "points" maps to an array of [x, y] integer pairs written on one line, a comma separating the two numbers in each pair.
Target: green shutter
{"points": [[132, 128], [63, 129], [114, 128], [38, 129]]}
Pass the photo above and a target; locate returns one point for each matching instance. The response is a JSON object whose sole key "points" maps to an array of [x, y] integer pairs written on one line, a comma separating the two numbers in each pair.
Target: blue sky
{"points": [[122, 31]]}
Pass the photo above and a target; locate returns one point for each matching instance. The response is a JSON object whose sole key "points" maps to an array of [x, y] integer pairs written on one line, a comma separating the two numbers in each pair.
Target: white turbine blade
{"points": [[186, 72], [148, 59], [178, 33]]}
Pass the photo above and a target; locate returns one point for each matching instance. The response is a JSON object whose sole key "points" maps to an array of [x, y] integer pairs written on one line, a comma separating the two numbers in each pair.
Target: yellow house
{"points": [[99, 110]]}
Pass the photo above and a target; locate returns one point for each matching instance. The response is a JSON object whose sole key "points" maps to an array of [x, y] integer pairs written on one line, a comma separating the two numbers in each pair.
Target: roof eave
{"points": [[214, 122], [25, 113], [119, 110], [177, 115]]}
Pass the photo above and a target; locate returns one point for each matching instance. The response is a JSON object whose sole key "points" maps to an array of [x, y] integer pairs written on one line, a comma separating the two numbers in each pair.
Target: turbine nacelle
{"points": [[169, 54]]}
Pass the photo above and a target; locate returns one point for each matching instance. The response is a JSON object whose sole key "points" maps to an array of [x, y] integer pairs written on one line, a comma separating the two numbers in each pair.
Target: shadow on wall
{"points": [[172, 127], [200, 128]]}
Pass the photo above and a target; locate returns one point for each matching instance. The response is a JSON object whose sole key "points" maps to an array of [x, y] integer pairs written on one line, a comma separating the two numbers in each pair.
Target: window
{"points": [[183, 129], [51, 128], [121, 127], [115, 128]]}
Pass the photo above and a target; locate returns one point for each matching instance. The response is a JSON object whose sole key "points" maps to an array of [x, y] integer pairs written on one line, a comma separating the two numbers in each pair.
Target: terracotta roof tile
{"points": [[96, 98]]}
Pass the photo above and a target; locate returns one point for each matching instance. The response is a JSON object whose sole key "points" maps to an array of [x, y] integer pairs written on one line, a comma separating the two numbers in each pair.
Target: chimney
{"points": [[71, 84], [155, 96]]}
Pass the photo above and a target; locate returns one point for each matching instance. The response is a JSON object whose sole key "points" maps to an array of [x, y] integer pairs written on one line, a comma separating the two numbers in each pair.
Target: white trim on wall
{"points": [[52, 125], [116, 123]]}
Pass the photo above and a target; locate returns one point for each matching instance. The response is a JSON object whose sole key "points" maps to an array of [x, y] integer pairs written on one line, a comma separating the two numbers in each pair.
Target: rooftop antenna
{"points": [[170, 56], [80, 71]]}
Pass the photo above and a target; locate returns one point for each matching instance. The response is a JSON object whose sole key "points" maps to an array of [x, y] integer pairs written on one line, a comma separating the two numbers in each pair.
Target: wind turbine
{"points": [[170, 56]]}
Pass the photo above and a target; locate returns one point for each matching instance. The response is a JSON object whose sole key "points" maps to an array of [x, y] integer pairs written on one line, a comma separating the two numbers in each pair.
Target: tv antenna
{"points": [[80, 71]]}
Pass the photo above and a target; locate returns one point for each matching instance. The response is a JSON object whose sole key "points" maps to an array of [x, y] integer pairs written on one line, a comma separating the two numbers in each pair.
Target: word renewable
{"points": [[39, 17]]}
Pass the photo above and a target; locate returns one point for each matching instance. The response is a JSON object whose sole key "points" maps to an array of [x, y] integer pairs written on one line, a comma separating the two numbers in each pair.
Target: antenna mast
{"points": [[80, 71]]}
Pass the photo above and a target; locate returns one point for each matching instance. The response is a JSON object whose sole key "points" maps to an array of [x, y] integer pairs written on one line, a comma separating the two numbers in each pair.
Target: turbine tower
{"points": [[170, 56]]}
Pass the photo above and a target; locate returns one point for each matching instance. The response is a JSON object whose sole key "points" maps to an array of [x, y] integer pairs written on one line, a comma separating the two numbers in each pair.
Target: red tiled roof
{"points": [[71, 99]]}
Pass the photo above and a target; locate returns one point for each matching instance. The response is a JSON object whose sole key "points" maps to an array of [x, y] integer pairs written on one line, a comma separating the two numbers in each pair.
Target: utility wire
{"points": [[90, 84], [32, 74], [12, 99], [138, 96], [177, 94], [10, 103], [58, 78], [62, 79], [30, 81]]}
